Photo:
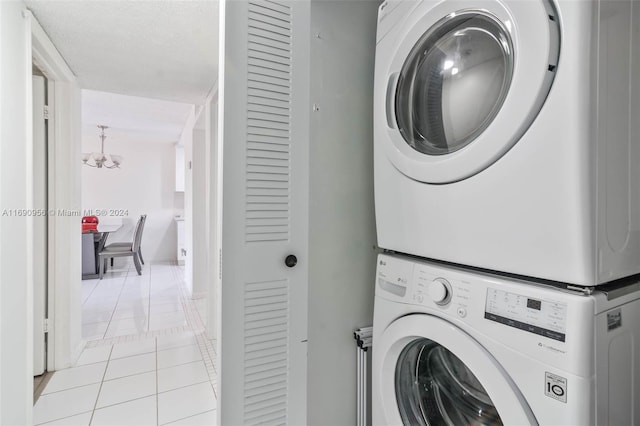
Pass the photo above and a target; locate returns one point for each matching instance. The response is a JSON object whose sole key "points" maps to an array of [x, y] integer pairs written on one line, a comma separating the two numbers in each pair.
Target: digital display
{"points": [[543, 317], [534, 304]]}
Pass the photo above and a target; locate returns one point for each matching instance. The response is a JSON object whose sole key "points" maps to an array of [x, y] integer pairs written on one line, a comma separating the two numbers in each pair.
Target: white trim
{"points": [[64, 343], [16, 276]]}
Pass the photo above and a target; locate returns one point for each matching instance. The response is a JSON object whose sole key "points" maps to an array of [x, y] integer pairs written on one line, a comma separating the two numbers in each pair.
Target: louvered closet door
{"points": [[264, 132]]}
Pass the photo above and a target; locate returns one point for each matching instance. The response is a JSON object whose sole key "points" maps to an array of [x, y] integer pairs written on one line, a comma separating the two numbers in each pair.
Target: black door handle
{"points": [[291, 261]]}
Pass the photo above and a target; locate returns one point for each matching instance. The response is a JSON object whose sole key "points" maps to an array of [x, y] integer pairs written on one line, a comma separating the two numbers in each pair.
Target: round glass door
{"points": [[454, 82], [434, 387]]}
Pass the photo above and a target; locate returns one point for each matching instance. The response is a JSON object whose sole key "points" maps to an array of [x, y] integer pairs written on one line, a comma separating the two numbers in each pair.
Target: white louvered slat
{"points": [[261, 107], [268, 122], [255, 358], [260, 142], [262, 113], [266, 222], [262, 195], [267, 165], [266, 342], [274, 9], [258, 64]]}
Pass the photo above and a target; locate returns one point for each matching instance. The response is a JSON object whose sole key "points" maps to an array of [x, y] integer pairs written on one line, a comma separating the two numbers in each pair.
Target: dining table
{"points": [[93, 241]]}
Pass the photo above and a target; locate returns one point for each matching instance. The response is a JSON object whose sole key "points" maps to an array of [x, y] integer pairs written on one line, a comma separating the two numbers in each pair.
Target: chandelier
{"points": [[100, 159]]}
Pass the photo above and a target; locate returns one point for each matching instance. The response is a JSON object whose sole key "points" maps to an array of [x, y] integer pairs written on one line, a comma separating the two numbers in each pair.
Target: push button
{"points": [[462, 312]]}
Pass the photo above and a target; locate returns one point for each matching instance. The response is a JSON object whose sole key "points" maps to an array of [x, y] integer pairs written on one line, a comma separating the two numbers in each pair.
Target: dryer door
{"points": [[433, 373], [466, 80]]}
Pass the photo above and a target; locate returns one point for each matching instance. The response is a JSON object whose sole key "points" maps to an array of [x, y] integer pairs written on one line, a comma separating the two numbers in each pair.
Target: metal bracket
{"points": [[584, 290]]}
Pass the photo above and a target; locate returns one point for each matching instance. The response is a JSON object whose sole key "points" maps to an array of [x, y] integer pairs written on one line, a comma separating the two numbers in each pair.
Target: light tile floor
{"points": [[147, 360]]}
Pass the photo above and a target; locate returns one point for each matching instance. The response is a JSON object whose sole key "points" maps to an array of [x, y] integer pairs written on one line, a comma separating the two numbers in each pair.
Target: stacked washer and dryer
{"points": [[507, 184]]}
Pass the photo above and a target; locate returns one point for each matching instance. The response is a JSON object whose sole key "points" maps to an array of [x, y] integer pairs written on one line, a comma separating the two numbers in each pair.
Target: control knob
{"points": [[440, 291]]}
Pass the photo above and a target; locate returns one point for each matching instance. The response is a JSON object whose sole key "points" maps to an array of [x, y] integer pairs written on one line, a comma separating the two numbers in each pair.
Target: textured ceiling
{"points": [[163, 49], [132, 118]]}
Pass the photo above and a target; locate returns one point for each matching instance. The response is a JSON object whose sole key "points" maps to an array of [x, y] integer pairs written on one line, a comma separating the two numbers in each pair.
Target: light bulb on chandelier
{"points": [[100, 159]]}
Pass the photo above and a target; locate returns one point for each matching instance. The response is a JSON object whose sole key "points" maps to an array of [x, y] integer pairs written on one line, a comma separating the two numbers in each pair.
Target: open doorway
{"points": [[166, 366], [143, 134], [147, 349]]}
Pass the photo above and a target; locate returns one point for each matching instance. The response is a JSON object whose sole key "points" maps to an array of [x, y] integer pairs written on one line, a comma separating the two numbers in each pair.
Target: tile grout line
{"points": [[123, 402], [72, 388], [106, 367], [185, 386], [128, 375], [90, 294], [188, 417], [61, 418]]}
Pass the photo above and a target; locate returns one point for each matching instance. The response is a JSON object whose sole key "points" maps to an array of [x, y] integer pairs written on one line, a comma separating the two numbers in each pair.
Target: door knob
{"points": [[291, 261]]}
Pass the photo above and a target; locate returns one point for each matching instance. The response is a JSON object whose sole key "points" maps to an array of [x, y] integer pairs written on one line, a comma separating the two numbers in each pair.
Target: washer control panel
{"points": [[544, 317], [471, 297], [528, 317]]}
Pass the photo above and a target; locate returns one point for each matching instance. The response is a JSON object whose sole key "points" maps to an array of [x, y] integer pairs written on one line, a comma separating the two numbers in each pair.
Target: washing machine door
{"points": [[465, 81], [433, 373]]}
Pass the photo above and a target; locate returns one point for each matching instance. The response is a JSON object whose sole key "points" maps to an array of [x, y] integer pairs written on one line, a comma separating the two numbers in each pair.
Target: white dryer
{"points": [[454, 347], [507, 135]]}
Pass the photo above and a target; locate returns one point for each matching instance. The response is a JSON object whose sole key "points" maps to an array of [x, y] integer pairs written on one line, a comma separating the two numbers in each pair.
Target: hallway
{"points": [[147, 360]]}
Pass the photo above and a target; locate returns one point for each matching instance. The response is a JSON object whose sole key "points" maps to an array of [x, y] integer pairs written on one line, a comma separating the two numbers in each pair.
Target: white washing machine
{"points": [[455, 347], [507, 135]]}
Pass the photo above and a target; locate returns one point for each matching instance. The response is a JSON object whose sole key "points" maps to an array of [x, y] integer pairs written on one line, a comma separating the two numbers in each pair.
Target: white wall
{"points": [[342, 235], [144, 184], [16, 283]]}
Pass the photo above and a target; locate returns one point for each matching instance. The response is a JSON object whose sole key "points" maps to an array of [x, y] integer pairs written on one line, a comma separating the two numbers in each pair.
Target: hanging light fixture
{"points": [[100, 159]]}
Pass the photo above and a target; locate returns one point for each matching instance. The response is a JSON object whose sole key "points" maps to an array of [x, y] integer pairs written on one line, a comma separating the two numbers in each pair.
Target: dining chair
{"points": [[142, 220], [124, 249]]}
